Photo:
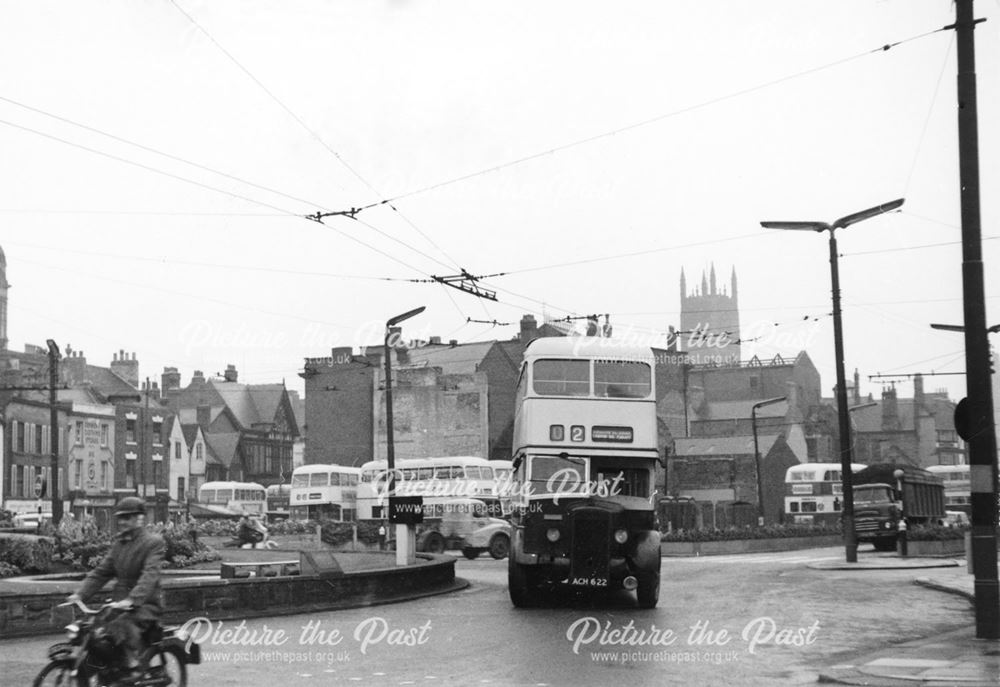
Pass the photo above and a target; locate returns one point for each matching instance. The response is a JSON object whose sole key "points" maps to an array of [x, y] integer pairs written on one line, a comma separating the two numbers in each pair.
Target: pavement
{"points": [[950, 659]]}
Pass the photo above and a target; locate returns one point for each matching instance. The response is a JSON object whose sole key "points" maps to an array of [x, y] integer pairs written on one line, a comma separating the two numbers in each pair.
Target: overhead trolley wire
{"points": [[306, 127], [155, 151], [651, 120]]}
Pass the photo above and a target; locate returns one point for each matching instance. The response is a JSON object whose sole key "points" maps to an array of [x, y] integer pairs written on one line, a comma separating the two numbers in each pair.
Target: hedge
{"points": [[737, 533]]}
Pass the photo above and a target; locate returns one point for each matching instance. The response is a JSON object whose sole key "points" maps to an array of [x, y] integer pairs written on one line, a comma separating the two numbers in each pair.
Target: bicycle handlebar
{"points": [[83, 607]]}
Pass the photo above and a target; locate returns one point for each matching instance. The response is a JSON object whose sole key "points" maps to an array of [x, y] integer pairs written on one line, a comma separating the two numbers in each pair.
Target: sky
{"points": [[161, 159]]}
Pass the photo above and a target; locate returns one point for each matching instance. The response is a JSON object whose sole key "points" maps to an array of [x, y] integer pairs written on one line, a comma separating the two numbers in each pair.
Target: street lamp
{"points": [[402, 540], [850, 536], [756, 454]]}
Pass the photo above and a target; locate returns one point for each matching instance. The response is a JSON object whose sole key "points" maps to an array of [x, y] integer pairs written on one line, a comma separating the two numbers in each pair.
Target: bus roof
{"points": [[402, 463], [323, 467], [819, 467], [949, 468], [588, 347], [232, 485]]}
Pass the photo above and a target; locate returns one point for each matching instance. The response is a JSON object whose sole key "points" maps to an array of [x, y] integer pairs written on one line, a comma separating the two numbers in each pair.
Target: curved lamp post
{"points": [[404, 543], [850, 536]]}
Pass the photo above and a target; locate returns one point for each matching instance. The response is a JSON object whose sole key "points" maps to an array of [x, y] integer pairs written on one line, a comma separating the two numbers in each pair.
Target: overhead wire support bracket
{"points": [[495, 323], [466, 283], [318, 216]]}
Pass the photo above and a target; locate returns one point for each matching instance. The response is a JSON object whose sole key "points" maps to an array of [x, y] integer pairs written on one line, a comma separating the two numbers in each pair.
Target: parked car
{"points": [[31, 520], [955, 518]]}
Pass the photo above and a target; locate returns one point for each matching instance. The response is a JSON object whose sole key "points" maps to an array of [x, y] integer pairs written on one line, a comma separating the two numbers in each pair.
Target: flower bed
{"points": [[78, 546]]}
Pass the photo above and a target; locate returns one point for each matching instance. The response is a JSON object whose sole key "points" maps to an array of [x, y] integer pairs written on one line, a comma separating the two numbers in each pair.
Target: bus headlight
{"points": [[887, 524], [621, 536], [553, 534]]}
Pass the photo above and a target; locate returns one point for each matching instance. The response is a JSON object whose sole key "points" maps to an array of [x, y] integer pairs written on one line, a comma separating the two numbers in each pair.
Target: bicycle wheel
{"points": [[165, 663], [56, 674]]}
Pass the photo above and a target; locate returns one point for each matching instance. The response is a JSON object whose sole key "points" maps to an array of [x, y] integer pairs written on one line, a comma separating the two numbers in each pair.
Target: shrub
{"points": [[935, 533], [738, 533], [6, 518], [25, 555], [292, 526]]}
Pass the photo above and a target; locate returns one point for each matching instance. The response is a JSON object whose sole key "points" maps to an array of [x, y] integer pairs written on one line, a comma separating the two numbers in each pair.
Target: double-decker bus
{"points": [[327, 492], [814, 493], [278, 501], [584, 458], [957, 487], [232, 499], [437, 480]]}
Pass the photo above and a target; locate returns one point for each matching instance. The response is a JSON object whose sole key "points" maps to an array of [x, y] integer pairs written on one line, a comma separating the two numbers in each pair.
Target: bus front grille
{"points": [[591, 545]]}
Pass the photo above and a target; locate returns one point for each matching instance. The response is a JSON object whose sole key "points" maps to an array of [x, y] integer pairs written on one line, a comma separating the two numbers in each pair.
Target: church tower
{"points": [[710, 320], [3, 300]]}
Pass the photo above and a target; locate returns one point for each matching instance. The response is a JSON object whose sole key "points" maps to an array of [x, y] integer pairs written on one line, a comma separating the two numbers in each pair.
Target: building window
{"points": [[19, 430], [180, 488], [156, 473], [15, 481], [158, 433], [130, 431], [177, 450], [129, 474], [947, 437], [79, 473], [198, 451], [78, 436], [104, 475], [104, 434]]}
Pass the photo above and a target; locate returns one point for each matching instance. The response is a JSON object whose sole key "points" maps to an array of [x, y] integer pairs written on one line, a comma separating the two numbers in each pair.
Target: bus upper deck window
{"points": [[319, 479], [561, 377], [621, 379]]}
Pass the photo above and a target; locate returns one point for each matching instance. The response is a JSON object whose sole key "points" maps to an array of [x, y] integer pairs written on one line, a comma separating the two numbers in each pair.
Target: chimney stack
{"points": [[125, 367], [170, 379], [890, 410], [231, 375], [529, 329]]}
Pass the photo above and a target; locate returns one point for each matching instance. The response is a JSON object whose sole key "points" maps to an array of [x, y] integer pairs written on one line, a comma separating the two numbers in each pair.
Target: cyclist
{"points": [[134, 563]]}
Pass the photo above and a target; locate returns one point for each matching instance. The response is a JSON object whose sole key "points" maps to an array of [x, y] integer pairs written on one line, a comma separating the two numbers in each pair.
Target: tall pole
{"points": [[982, 442], [57, 504], [846, 459], [404, 540]]}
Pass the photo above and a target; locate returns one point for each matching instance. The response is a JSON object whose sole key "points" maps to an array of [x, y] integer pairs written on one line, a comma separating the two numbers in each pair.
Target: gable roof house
{"points": [[249, 429]]}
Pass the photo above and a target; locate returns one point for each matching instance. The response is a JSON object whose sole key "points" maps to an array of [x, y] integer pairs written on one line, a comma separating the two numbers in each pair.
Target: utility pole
{"points": [[982, 439], [143, 452], [57, 504]]}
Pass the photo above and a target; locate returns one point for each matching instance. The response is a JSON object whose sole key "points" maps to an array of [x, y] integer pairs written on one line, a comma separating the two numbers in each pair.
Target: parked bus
{"points": [[321, 491], [957, 487], [278, 501], [232, 499], [814, 493], [437, 480], [879, 504], [584, 458]]}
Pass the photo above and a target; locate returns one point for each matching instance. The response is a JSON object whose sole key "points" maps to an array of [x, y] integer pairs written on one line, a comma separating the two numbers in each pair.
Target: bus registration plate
{"points": [[589, 581]]}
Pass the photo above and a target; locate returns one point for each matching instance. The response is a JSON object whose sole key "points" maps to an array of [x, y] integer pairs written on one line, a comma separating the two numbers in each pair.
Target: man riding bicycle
{"points": [[134, 561]]}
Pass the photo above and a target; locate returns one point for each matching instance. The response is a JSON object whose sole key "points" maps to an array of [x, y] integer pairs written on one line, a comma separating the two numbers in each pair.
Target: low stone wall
{"points": [[731, 546], [931, 548], [36, 612]]}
